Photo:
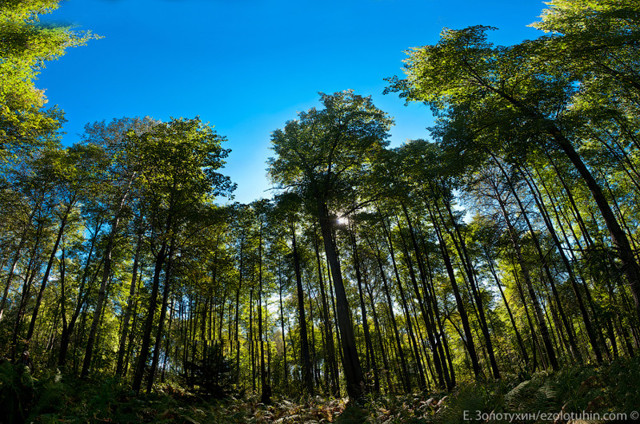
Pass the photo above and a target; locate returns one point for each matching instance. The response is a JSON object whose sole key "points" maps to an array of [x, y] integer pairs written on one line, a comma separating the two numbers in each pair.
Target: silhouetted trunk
{"points": [[129, 308], [618, 236], [386, 371], [405, 378], [252, 349], [416, 354], [471, 278], [572, 278], [305, 358], [14, 262], [264, 382], [468, 336], [237, 317], [371, 356], [45, 278], [523, 350], [163, 313], [351, 362], [330, 365], [285, 366], [515, 242], [65, 337], [148, 325], [436, 348]]}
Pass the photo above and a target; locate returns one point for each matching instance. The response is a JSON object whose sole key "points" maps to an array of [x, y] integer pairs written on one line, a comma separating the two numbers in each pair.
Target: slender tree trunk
{"points": [[371, 356], [132, 332], [315, 372], [405, 378], [572, 279], [252, 349], [330, 364], [378, 329], [129, 307], [468, 267], [285, 366], [14, 262], [544, 330], [168, 343], [351, 362], [63, 296], [523, 350], [102, 294], [468, 336], [264, 382], [618, 236], [45, 278], [65, 338], [438, 355], [163, 313], [307, 376], [237, 317], [421, 378], [148, 325]]}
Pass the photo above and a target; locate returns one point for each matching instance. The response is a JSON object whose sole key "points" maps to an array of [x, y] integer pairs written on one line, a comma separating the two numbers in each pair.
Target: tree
{"points": [[325, 155], [25, 46], [179, 160], [508, 99], [287, 207]]}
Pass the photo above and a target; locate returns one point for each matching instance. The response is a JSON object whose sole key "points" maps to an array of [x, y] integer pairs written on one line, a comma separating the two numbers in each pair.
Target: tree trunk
{"points": [[264, 382], [65, 338], [148, 325], [470, 271], [45, 278], [129, 308], [14, 263], [468, 339], [436, 348], [330, 364], [351, 362], [163, 313], [544, 330], [371, 356], [421, 378], [618, 236], [406, 380], [304, 342]]}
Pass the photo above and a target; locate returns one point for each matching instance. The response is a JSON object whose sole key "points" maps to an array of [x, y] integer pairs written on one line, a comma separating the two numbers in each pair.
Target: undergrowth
{"points": [[54, 398]]}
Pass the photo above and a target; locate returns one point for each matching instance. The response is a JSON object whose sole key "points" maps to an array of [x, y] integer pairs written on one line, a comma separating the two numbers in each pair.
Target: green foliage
{"points": [[26, 46], [212, 375], [17, 389], [325, 154], [55, 398], [610, 388]]}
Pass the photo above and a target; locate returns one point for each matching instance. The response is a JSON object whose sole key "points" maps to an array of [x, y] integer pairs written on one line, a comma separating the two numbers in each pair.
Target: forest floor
{"points": [[590, 390]]}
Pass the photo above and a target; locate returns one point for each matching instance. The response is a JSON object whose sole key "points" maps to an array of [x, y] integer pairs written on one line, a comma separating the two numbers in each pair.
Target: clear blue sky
{"points": [[248, 66]]}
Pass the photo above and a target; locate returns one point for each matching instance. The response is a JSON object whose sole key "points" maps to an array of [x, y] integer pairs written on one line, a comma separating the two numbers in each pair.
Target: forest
{"points": [[490, 269]]}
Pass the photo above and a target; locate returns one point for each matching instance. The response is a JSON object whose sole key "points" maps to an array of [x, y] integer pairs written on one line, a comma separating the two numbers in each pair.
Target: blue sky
{"points": [[248, 66]]}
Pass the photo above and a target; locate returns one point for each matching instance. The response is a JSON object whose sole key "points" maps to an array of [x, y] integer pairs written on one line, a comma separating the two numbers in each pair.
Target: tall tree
{"points": [[509, 98], [178, 175], [324, 155]]}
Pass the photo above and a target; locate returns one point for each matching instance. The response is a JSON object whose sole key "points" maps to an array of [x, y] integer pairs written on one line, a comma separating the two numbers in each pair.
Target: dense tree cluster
{"points": [[506, 245]]}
